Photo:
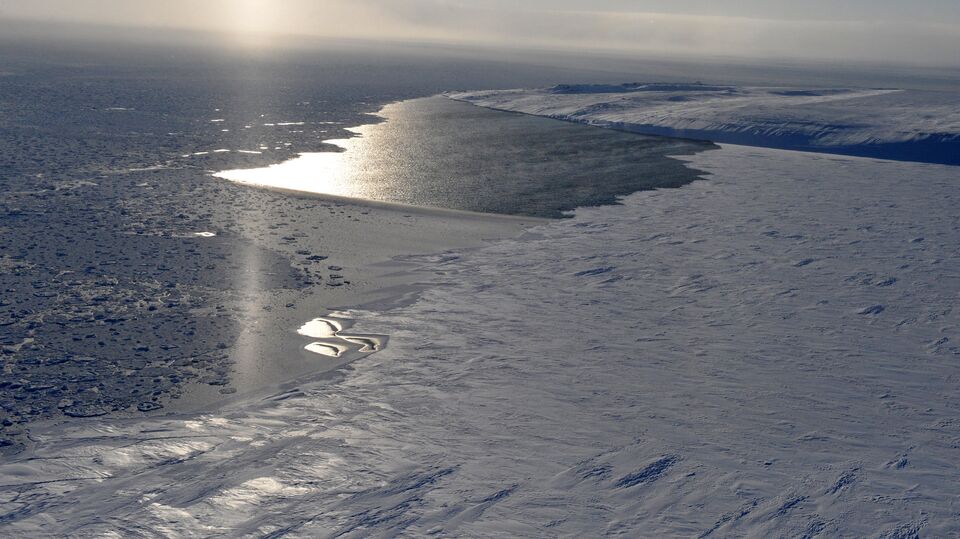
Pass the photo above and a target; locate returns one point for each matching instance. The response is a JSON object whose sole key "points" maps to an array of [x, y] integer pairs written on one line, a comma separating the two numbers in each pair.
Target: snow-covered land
{"points": [[773, 351], [911, 125]]}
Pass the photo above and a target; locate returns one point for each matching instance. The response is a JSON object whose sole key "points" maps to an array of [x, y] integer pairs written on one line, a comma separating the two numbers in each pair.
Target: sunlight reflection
{"points": [[331, 173], [247, 355], [252, 22], [442, 153]]}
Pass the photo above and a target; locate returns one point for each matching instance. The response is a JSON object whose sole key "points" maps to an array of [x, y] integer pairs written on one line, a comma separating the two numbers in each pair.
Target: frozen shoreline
{"points": [[750, 354], [906, 125]]}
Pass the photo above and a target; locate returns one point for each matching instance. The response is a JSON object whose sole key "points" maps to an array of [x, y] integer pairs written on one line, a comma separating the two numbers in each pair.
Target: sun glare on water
{"points": [[330, 173], [251, 23]]}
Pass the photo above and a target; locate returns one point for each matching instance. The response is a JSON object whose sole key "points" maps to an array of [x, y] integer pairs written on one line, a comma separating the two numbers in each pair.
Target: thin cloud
{"points": [[540, 24]]}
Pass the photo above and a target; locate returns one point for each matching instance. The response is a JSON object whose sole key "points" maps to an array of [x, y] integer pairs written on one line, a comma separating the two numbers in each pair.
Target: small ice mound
{"points": [[321, 328], [331, 349], [332, 341], [368, 343], [204, 234]]}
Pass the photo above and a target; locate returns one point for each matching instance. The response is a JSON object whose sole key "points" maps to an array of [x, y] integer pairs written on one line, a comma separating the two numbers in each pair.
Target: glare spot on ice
{"points": [[151, 451], [252, 492], [169, 512]]}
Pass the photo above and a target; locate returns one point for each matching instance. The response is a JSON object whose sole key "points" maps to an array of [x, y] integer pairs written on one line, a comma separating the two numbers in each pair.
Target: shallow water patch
{"points": [[443, 153]]}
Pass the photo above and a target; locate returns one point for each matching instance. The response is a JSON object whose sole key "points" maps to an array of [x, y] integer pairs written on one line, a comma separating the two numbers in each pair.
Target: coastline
{"points": [[195, 308], [378, 241], [272, 291]]}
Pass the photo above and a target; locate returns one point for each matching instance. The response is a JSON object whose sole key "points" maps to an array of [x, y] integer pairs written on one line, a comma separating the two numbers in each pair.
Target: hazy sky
{"points": [[922, 31]]}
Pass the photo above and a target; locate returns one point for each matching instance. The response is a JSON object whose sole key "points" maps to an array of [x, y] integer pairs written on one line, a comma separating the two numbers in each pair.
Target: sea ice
{"points": [[911, 125], [715, 388]]}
